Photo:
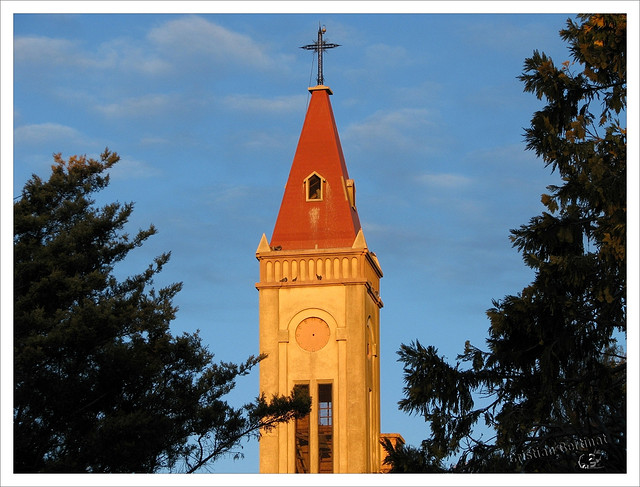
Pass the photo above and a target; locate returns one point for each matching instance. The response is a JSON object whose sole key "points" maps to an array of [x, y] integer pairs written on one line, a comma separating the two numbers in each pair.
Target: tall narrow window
{"points": [[325, 429], [314, 187], [303, 454]]}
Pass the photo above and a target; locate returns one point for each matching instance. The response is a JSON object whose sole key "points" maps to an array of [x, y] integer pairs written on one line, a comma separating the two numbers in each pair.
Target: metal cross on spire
{"points": [[320, 46]]}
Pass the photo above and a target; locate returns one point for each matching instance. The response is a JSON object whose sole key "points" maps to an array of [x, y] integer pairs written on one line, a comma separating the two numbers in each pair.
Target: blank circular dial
{"points": [[312, 334]]}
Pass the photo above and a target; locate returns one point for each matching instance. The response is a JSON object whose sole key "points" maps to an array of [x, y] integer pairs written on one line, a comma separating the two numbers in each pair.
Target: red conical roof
{"points": [[309, 218]]}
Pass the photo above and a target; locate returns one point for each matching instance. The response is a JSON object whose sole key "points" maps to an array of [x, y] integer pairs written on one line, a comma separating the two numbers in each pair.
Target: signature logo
{"points": [[591, 461]]}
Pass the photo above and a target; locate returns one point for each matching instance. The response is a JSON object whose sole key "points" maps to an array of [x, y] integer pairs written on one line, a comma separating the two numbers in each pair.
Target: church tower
{"points": [[320, 303]]}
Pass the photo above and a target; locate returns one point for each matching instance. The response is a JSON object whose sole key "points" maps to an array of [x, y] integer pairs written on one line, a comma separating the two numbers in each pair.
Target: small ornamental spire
{"points": [[320, 46]]}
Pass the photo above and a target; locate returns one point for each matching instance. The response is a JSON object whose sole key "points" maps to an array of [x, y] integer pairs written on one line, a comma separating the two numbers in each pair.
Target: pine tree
{"points": [[101, 384], [553, 376]]}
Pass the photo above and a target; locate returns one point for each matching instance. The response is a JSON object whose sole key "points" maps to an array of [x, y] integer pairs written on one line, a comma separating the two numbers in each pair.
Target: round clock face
{"points": [[312, 334]]}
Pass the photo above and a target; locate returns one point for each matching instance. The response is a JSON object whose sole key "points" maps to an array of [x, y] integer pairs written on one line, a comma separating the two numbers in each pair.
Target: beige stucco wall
{"points": [[346, 297]]}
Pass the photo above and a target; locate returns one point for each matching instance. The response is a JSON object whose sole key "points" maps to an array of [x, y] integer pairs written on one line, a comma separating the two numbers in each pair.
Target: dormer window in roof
{"points": [[314, 187]]}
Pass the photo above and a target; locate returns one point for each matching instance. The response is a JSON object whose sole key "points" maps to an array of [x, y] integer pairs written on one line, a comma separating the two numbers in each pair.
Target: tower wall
{"points": [[341, 287], [319, 311]]}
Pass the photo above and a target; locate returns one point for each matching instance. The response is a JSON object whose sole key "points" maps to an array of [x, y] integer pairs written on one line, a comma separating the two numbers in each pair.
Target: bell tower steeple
{"points": [[320, 303], [318, 208]]}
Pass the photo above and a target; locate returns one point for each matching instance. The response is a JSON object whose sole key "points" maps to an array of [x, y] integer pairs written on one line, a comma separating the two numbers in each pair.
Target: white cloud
{"points": [[269, 141], [229, 194], [49, 51], [40, 133], [142, 106], [208, 41], [375, 228], [43, 49], [402, 129], [154, 141], [256, 104], [402, 118], [134, 56], [166, 47], [513, 38], [448, 181], [428, 92], [128, 168]]}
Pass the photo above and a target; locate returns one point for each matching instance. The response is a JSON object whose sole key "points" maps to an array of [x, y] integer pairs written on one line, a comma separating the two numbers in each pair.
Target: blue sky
{"points": [[205, 111]]}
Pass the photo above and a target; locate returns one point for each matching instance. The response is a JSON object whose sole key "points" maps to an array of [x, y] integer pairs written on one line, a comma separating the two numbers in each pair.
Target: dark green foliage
{"points": [[408, 459], [553, 380], [101, 385]]}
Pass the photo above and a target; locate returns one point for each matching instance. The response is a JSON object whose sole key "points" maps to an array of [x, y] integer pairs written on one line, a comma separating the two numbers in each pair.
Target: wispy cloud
{"points": [[34, 145], [49, 51], [210, 42], [229, 194], [129, 168], [142, 106], [269, 141], [136, 56], [256, 105], [117, 55], [46, 133], [166, 50], [401, 129], [152, 140], [448, 181], [512, 39]]}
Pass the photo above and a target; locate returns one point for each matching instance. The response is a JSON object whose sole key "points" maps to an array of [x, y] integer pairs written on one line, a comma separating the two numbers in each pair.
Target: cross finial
{"points": [[320, 46]]}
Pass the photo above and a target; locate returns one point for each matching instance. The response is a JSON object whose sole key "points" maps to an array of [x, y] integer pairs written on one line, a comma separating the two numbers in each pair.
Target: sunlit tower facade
{"points": [[319, 294]]}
